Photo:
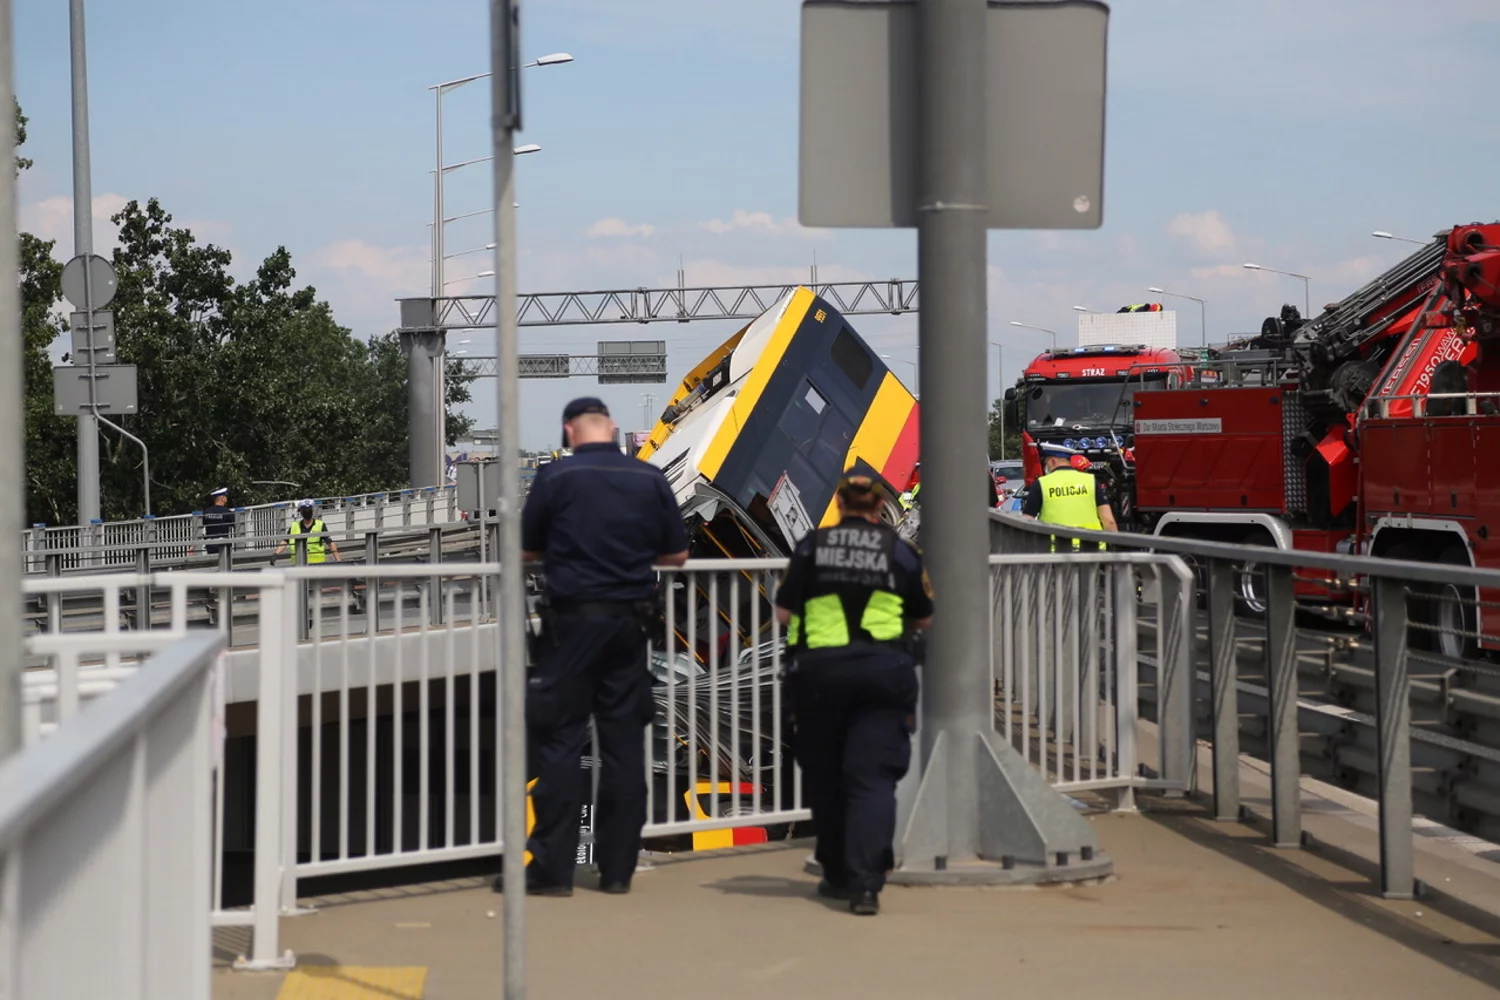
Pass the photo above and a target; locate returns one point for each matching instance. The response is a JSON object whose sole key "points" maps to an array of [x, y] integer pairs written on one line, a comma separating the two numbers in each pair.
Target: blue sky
{"points": [[1276, 131]]}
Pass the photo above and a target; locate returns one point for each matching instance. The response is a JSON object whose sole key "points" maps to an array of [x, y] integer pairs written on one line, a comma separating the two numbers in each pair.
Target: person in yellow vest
{"points": [[1068, 496], [318, 547], [851, 598]]}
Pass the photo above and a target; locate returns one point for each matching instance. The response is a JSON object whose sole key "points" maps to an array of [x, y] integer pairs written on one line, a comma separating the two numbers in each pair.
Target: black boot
{"points": [[864, 904], [534, 886]]}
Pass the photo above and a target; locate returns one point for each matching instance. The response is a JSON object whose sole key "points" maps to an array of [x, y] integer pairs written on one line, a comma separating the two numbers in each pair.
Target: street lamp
{"points": [[1306, 285], [1039, 329], [465, 253], [1082, 309], [1381, 234], [1202, 308], [472, 277], [1000, 373]]}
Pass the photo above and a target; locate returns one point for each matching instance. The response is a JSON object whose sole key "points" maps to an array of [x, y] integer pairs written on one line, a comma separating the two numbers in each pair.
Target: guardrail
{"points": [[107, 826], [1394, 595], [180, 537]]}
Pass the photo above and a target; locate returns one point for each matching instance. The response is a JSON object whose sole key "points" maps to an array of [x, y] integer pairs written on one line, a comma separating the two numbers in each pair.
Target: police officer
{"points": [[599, 520], [218, 520], [1067, 495], [851, 596], [317, 547]]}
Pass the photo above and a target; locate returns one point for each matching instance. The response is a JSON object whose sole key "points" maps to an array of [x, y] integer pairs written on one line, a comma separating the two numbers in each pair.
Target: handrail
{"points": [[34, 782], [1347, 565]]}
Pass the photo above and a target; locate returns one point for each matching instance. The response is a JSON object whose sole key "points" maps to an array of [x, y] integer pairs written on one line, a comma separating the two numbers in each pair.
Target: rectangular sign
{"points": [[1186, 425], [103, 339], [860, 136], [544, 366], [632, 361], [1151, 329], [114, 389]]}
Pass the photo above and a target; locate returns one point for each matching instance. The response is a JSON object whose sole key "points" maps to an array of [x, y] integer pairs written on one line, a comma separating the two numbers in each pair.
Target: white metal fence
{"points": [[376, 721], [105, 835]]}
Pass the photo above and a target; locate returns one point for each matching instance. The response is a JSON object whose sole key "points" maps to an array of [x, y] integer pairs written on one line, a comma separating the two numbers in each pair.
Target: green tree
{"points": [[239, 381], [1012, 441]]}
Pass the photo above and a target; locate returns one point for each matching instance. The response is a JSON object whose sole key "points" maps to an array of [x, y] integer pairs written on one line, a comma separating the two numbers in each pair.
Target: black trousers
{"points": [[597, 666], [854, 713]]}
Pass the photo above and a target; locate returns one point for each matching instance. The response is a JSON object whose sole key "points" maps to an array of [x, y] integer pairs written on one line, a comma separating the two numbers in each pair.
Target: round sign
{"points": [[100, 274]]}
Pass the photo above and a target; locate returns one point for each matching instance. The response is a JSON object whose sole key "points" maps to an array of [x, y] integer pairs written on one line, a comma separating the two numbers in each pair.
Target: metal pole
{"points": [[1203, 321], [511, 609], [1306, 298], [83, 243], [145, 457], [440, 372], [426, 465], [951, 234], [12, 428]]}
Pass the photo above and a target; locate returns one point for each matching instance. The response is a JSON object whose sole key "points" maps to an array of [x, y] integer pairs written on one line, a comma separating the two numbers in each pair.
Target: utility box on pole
{"points": [[478, 485]]}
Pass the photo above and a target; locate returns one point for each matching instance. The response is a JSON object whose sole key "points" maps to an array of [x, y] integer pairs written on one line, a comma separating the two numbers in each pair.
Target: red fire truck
{"points": [[1362, 430], [1081, 397]]}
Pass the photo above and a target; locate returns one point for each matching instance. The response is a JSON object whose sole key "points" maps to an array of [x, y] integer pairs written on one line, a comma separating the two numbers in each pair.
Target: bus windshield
{"points": [[1082, 404]]}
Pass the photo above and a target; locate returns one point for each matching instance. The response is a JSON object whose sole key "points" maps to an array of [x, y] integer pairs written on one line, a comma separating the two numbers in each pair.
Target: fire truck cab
{"points": [[1083, 397]]}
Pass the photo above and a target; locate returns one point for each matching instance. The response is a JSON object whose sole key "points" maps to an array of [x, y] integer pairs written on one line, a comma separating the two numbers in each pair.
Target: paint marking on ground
{"points": [[349, 982]]}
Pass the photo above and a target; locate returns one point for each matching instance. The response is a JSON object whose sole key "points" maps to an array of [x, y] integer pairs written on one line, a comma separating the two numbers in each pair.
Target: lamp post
{"points": [[1039, 329], [1306, 285], [1202, 309], [1083, 309], [1381, 234], [1000, 375]]}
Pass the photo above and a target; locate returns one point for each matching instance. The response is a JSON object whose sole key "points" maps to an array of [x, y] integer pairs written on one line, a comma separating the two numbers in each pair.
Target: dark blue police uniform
{"points": [[854, 702], [600, 519]]}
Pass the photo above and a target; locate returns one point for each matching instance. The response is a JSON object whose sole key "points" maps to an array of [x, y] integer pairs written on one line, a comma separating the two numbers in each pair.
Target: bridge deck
{"points": [[1195, 909]]}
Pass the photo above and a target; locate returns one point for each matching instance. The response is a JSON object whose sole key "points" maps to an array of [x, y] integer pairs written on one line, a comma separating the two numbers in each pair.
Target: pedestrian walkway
{"points": [[1195, 909]]}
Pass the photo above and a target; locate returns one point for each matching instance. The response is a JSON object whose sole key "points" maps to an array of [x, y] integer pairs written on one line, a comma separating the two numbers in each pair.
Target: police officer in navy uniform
{"points": [[852, 595], [218, 523], [598, 519]]}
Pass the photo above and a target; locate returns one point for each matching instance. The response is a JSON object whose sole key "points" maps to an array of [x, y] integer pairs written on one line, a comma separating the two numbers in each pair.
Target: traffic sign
{"points": [[100, 273], [114, 389], [101, 344], [632, 361], [860, 146]]}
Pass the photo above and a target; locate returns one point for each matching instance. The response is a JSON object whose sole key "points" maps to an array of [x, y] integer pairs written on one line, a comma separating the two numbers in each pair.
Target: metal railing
{"points": [[180, 537], [1065, 670], [1336, 702], [107, 825], [376, 736]]}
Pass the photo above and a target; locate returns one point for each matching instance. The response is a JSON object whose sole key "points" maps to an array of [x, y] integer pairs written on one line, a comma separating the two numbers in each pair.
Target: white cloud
{"points": [[52, 219], [1207, 231], [763, 222], [403, 269], [614, 226]]}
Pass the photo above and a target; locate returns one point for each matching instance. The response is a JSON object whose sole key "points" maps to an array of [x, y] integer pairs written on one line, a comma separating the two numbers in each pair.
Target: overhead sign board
{"points": [[85, 270], [623, 361], [102, 341], [860, 142], [114, 389], [544, 366]]}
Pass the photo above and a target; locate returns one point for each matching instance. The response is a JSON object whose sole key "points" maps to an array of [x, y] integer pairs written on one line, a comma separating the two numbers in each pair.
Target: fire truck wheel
{"points": [[1443, 615]]}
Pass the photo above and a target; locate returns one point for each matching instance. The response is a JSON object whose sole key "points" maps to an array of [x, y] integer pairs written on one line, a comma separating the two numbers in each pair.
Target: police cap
{"points": [[1053, 450], [222, 491], [582, 405]]}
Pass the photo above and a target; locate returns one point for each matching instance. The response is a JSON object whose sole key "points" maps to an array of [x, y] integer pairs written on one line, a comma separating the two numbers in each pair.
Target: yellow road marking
{"points": [[349, 982]]}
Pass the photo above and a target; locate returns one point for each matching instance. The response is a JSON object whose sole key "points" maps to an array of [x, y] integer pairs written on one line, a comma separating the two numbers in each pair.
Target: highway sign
{"points": [[98, 271], [623, 361], [114, 389], [860, 144], [103, 340]]}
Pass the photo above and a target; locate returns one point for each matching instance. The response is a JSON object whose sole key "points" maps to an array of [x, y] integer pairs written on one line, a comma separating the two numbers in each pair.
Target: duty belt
{"points": [[598, 608]]}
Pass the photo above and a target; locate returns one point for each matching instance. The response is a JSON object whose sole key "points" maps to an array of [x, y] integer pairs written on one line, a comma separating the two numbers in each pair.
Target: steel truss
{"points": [[662, 305]]}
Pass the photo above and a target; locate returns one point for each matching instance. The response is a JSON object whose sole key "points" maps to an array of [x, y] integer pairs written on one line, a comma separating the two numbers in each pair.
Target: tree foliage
{"points": [[239, 381], [1012, 439]]}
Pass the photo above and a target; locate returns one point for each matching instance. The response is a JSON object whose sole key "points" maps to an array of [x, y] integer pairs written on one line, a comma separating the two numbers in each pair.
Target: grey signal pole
{"points": [[952, 225], [505, 116], [12, 459], [83, 244]]}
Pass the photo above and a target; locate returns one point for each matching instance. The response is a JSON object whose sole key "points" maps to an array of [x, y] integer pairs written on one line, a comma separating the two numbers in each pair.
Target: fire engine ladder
{"points": [[1341, 332], [1414, 350]]}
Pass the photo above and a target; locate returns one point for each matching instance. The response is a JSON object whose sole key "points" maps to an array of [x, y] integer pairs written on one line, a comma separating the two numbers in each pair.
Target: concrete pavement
{"points": [[1195, 909]]}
